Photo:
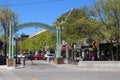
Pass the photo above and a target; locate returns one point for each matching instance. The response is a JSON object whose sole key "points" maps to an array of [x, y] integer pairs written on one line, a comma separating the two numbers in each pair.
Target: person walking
{"points": [[92, 58], [32, 58]]}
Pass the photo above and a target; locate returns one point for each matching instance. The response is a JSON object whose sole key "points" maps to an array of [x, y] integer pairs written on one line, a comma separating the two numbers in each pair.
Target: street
{"points": [[42, 70]]}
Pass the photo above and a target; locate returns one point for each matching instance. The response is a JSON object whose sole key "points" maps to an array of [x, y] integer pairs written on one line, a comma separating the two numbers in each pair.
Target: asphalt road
{"points": [[42, 70]]}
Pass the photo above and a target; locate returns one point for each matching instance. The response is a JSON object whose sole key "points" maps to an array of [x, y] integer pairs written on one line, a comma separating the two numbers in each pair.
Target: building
{"points": [[23, 37]]}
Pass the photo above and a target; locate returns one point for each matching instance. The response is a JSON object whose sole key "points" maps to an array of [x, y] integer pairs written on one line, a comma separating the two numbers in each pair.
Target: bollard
{"points": [[48, 60], [22, 62]]}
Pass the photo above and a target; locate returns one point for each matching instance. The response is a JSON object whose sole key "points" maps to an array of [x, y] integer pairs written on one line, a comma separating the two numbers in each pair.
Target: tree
{"points": [[108, 13], [6, 17], [78, 24], [36, 43]]}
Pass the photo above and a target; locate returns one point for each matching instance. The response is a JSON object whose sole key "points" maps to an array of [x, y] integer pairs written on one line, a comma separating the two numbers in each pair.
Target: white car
{"points": [[21, 56], [50, 56]]}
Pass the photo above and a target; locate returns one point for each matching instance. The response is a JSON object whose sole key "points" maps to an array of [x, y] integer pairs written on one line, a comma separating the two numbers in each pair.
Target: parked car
{"points": [[38, 57], [50, 56]]}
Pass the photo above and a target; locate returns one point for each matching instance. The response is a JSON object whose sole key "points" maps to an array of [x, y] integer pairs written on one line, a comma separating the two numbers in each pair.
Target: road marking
{"points": [[34, 79]]}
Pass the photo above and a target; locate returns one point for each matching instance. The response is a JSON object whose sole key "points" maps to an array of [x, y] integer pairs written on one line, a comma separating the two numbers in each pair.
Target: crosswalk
{"points": [[43, 66]]}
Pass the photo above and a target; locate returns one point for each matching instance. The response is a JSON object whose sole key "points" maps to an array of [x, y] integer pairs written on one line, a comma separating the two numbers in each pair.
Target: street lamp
{"points": [[11, 61], [16, 44], [11, 40], [58, 45]]}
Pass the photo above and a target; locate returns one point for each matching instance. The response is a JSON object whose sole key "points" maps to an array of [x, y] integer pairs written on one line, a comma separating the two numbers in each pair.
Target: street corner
{"points": [[3, 67]]}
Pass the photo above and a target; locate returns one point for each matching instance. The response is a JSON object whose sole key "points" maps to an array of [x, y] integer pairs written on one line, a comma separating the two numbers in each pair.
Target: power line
{"points": [[32, 3]]}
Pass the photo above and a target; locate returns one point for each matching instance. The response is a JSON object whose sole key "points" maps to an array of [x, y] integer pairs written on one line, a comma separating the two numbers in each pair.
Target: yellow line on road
{"points": [[35, 79]]}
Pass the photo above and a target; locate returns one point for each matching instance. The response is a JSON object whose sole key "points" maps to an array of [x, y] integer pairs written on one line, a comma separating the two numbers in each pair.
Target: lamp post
{"points": [[11, 61], [58, 41], [16, 44], [11, 40], [58, 44], [58, 59]]}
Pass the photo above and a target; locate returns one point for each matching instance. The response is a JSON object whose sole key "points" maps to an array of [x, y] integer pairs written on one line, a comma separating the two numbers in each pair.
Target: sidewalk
{"points": [[84, 68], [3, 67], [70, 66]]}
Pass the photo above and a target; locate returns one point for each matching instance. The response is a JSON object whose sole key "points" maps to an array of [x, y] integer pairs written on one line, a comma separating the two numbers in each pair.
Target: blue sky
{"points": [[45, 11]]}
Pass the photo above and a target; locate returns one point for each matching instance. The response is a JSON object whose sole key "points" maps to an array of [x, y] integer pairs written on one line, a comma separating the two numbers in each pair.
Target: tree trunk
{"points": [[5, 43]]}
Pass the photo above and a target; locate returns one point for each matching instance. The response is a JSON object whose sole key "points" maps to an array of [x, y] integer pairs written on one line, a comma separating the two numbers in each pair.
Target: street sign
{"points": [[94, 44]]}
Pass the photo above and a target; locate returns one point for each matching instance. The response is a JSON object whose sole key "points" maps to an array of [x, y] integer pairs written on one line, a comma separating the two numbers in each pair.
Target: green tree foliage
{"points": [[39, 42], [7, 16], [99, 22], [108, 13], [78, 24]]}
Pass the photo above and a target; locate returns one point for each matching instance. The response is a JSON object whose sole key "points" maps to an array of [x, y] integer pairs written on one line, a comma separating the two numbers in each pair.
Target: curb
{"points": [[4, 67], [84, 68], [100, 64]]}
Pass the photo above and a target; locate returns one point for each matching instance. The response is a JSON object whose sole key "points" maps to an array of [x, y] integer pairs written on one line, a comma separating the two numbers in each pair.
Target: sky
{"points": [[44, 11]]}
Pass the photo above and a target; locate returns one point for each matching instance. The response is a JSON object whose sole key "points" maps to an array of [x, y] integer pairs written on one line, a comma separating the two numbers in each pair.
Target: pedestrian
{"points": [[32, 58], [80, 58], [92, 58]]}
